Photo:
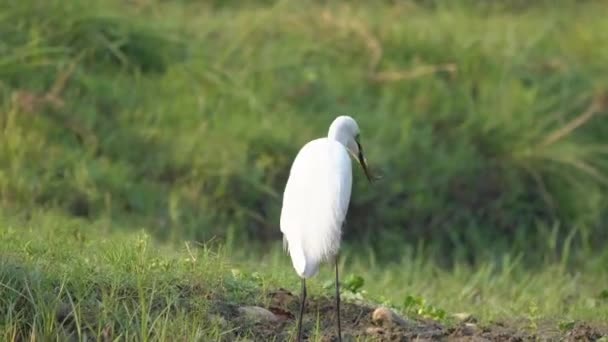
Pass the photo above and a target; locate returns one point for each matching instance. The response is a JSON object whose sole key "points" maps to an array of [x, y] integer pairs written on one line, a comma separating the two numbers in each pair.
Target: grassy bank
{"points": [[487, 125], [130, 130], [65, 278]]}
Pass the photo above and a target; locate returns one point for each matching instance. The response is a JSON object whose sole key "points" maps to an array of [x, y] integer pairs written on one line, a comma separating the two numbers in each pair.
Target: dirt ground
{"points": [[361, 323]]}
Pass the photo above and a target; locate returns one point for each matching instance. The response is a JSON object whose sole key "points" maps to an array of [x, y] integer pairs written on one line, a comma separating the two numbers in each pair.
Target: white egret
{"points": [[316, 200]]}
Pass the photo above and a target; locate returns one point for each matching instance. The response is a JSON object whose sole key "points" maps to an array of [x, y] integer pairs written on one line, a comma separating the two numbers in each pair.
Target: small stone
{"points": [[385, 316], [469, 329], [461, 316], [374, 331], [464, 317], [257, 314]]}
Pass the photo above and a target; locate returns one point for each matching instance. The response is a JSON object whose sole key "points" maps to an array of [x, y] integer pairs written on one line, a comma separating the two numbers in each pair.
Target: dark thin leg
{"points": [[302, 304], [338, 301]]}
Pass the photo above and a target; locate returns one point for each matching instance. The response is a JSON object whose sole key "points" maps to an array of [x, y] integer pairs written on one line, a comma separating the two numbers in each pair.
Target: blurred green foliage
{"points": [[486, 122]]}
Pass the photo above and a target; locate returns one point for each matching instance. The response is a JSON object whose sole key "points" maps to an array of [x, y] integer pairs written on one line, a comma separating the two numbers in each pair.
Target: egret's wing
{"points": [[340, 186], [315, 202]]}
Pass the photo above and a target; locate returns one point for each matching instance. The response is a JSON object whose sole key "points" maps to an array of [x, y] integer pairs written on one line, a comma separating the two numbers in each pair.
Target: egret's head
{"points": [[345, 130]]}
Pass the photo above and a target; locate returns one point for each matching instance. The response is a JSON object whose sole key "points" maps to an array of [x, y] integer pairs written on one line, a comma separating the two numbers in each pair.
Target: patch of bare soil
{"points": [[362, 322]]}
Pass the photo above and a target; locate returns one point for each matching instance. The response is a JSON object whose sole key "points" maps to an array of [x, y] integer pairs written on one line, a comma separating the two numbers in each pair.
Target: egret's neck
{"points": [[337, 133]]}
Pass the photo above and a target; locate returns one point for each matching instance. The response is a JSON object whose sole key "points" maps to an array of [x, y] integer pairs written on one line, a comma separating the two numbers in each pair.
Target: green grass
{"points": [[181, 119], [64, 277], [69, 280], [500, 289], [478, 137]]}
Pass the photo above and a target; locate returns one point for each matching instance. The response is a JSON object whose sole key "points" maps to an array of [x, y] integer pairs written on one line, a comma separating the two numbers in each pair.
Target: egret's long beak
{"points": [[363, 162]]}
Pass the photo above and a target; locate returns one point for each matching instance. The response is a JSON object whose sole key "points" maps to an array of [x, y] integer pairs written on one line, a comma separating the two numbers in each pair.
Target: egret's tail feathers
{"points": [[305, 267]]}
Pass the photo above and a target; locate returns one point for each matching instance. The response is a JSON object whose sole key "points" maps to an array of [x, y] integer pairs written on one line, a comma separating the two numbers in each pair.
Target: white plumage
{"points": [[316, 200]]}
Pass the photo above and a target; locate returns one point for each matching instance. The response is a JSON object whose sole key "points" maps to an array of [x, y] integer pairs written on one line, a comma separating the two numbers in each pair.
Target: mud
{"points": [[358, 325]]}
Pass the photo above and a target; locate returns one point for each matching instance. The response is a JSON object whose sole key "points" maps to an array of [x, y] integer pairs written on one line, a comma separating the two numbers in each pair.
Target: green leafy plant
{"points": [[566, 325], [353, 283], [351, 288], [419, 306], [533, 315]]}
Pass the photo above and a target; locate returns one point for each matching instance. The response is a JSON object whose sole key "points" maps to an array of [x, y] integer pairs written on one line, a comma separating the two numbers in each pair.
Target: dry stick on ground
{"points": [[374, 47], [358, 28], [61, 82], [33, 103], [598, 104], [400, 75]]}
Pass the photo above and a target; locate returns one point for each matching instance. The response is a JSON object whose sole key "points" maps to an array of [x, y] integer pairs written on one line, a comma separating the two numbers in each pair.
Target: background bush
{"points": [[487, 122]]}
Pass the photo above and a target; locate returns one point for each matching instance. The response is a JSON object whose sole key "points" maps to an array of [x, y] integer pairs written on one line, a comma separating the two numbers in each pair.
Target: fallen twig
{"points": [[30, 102], [598, 104], [400, 75], [374, 47]]}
